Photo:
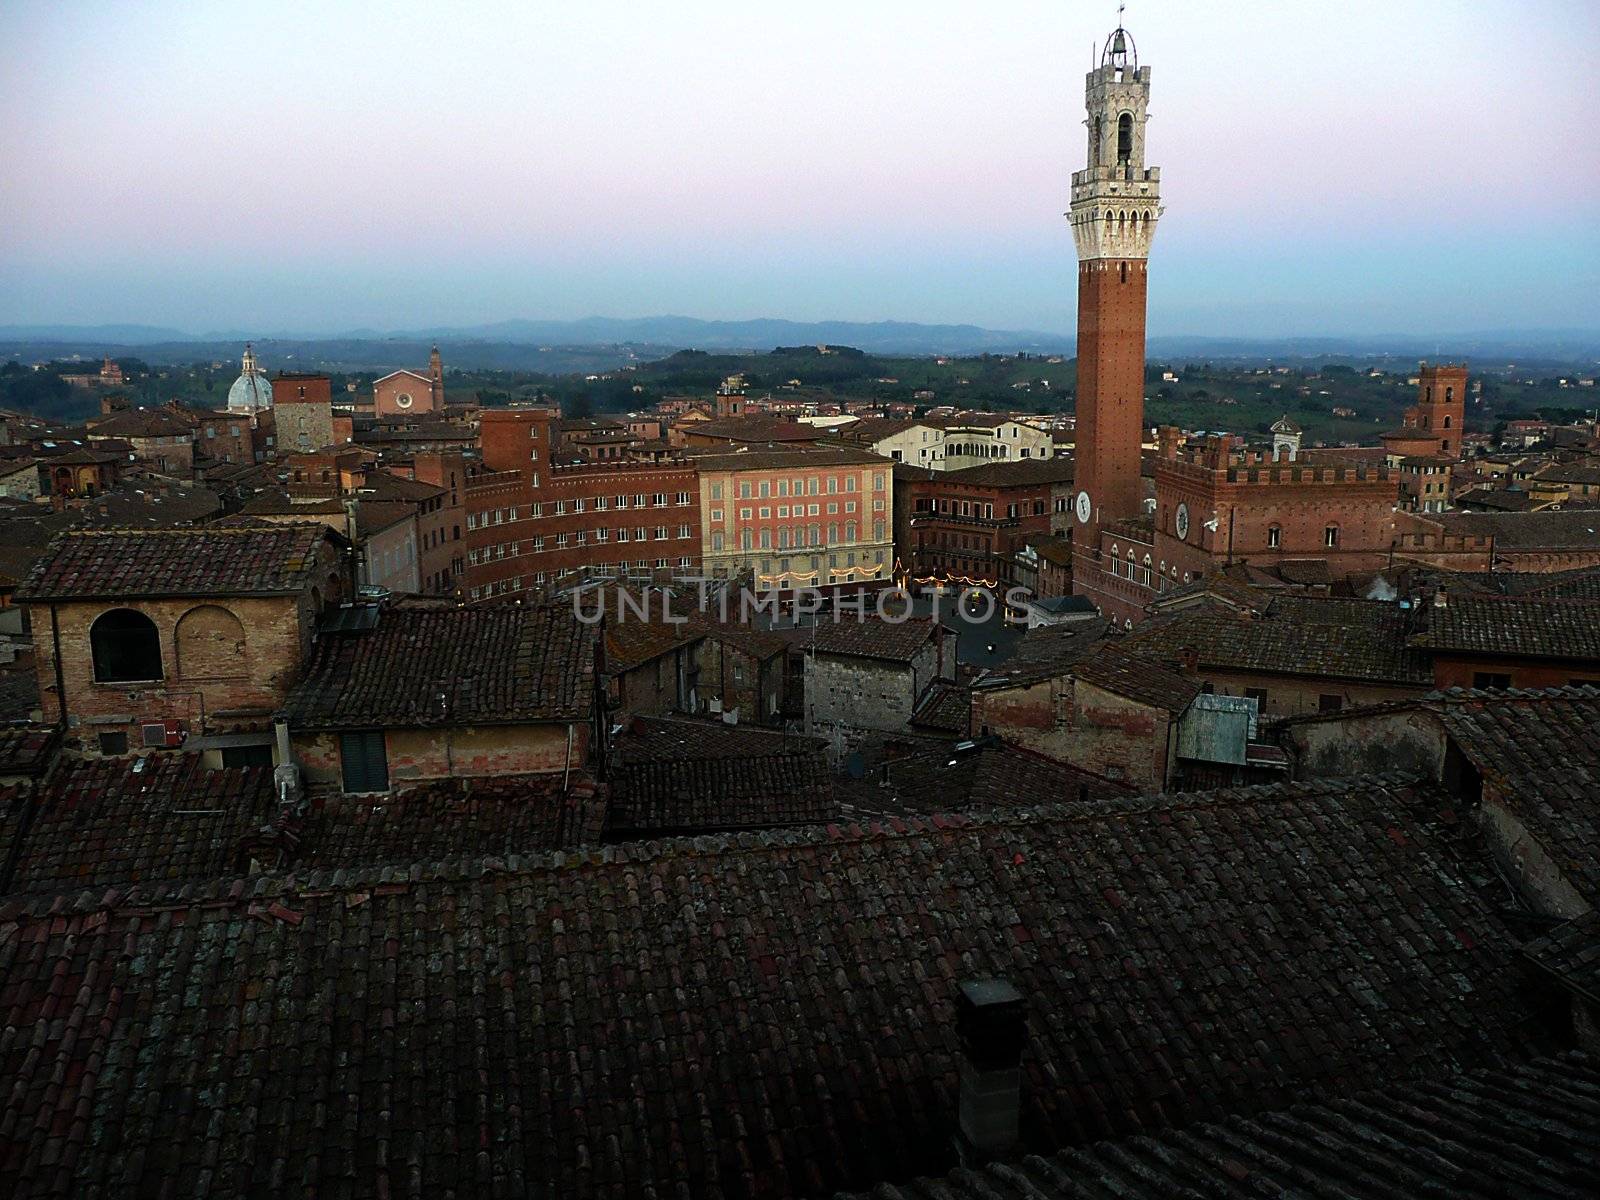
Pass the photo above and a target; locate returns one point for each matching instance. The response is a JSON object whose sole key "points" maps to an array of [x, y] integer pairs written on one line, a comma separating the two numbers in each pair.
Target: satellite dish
{"points": [[855, 766]]}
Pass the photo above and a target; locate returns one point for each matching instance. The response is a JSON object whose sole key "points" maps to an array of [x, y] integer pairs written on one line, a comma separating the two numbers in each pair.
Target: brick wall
{"points": [[1110, 402], [1072, 721], [416, 755], [227, 663], [739, 680]]}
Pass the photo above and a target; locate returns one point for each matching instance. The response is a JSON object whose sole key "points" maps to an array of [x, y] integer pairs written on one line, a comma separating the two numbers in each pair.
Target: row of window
{"points": [[581, 537], [785, 511], [557, 508], [504, 587], [800, 535], [984, 509], [764, 488]]}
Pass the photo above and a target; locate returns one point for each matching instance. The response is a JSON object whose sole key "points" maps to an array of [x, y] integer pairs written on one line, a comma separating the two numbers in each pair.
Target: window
{"points": [[125, 647], [683, 531], [247, 756], [716, 491], [363, 762], [1274, 536], [1330, 536], [659, 499], [1259, 695], [622, 502], [683, 498], [1329, 703], [1485, 680], [114, 743], [1124, 139]]}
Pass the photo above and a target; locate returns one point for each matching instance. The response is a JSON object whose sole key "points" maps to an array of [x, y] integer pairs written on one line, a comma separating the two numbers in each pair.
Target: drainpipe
{"points": [[61, 685]]}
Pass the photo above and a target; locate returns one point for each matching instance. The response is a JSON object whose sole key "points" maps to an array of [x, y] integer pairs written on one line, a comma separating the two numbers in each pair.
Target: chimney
{"points": [[992, 1025]]}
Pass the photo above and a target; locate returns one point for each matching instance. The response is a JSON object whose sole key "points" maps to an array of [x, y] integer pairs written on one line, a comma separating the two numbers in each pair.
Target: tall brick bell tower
{"points": [[1115, 205]]}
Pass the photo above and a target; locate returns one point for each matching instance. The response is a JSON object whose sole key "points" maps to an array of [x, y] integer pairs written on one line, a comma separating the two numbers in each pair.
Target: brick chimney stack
{"points": [[993, 1027]]}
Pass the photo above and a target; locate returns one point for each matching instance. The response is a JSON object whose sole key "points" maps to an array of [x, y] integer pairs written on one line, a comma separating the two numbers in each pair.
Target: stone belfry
{"points": [[1115, 204]]}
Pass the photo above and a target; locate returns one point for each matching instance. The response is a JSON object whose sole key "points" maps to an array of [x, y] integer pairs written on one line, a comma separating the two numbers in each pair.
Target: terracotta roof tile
{"points": [[1529, 1130], [1525, 627], [146, 563], [491, 665], [751, 1015], [679, 775]]}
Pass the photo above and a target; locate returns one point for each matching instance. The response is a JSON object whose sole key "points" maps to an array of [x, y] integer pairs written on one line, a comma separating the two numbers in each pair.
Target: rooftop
{"points": [[680, 775], [158, 821], [128, 564], [1526, 627], [490, 665], [1514, 1130], [1017, 472], [657, 1018], [1291, 635], [870, 637]]}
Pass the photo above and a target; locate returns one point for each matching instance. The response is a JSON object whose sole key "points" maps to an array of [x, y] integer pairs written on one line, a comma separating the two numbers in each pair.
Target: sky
{"points": [[1349, 167]]}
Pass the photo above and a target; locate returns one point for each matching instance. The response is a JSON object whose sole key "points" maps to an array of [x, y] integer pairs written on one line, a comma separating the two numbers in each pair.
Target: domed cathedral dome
{"points": [[252, 391]]}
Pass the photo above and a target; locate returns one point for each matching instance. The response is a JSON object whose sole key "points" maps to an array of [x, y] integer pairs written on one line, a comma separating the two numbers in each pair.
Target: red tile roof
{"points": [[752, 1015], [500, 665], [130, 564]]}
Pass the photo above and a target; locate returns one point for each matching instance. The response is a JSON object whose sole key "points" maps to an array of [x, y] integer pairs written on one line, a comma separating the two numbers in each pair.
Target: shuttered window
{"points": [[366, 767]]}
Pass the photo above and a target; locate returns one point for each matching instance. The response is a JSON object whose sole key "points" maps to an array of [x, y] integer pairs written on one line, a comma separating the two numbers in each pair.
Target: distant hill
{"points": [[604, 343]]}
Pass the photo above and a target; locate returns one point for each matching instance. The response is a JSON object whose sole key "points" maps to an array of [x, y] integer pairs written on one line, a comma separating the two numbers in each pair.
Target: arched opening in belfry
{"points": [[1094, 143], [1124, 139]]}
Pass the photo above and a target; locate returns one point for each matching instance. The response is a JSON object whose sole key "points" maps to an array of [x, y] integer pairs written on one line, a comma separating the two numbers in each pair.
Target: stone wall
{"points": [[867, 693], [1403, 743]]}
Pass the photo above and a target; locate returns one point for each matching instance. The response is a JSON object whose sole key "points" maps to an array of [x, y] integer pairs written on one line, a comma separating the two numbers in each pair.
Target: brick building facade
{"points": [[173, 636], [968, 525], [531, 524], [1219, 504]]}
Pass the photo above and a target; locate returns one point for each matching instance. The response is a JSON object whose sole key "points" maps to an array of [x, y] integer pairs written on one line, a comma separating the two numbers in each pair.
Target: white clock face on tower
{"points": [[403, 400], [1181, 523], [1085, 507]]}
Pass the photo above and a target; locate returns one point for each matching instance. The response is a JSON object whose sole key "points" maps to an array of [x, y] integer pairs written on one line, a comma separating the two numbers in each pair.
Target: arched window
{"points": [[210, 643], [1144, 573], [1274, 536], [1124, 139], [1447, 420], [125, 646], [1449, 394], [1330, 536]]}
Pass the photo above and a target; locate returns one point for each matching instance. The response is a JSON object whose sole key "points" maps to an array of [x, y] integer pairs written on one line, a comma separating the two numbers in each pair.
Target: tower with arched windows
{"points": [[1115, 205]]}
